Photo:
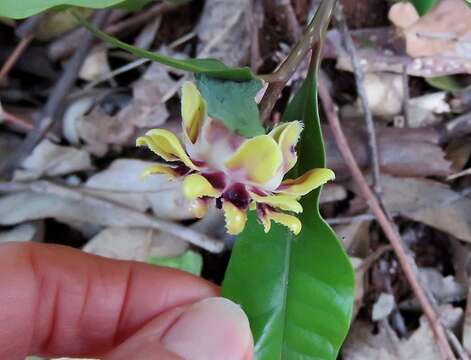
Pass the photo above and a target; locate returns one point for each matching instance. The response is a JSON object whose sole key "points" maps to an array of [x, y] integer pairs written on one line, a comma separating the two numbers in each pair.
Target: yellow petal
{"points": [[290, 221], [266, 222], [196, 186], [193, 110], [306, 183], [235, 218], [276, 132], [165, 144], [199, 208], [283, 202], [259, 158], [160, 169], [287, 141]]}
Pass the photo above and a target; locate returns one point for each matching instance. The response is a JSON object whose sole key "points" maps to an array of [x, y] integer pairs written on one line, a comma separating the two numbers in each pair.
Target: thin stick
{"points": [[406, 96], [14, 56], [50, 111], [360, 85], [390, 231], [140, 219], [280, 77]]}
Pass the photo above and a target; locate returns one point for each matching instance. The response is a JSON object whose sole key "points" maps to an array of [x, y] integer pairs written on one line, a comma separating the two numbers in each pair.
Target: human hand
{"points": [[56, 301]]}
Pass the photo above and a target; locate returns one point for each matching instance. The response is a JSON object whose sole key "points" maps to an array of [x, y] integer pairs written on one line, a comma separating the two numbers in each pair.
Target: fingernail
{"points": [[213, 328]]}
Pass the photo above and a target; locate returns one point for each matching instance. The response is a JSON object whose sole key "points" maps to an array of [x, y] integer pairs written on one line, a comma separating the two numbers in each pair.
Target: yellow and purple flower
{"points": [[240, 173]]}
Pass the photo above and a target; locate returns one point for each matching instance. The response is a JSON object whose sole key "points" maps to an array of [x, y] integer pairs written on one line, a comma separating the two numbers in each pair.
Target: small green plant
{"points": [[288, 269]]}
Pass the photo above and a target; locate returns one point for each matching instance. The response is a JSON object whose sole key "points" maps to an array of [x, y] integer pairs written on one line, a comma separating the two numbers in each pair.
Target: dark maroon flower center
{"points": [[238, 195], [216, 179]]}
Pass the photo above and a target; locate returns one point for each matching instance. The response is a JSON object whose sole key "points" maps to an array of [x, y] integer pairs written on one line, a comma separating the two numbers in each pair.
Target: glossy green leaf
{"points": [[190, 261], [211, 67], [423, 6], [18, 9], [297, 291], [448, 83], [233, 103]]}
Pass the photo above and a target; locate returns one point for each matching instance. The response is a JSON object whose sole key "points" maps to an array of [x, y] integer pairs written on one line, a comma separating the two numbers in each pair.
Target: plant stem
{"points": [[278, 79]]}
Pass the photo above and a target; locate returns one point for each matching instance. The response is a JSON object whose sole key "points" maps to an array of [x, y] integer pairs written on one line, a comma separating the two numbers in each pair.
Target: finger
{"points": [[60, 301], [211, 329]]}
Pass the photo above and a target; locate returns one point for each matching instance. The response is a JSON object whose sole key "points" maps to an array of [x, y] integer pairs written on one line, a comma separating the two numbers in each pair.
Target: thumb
{"points": [[213, 328]]}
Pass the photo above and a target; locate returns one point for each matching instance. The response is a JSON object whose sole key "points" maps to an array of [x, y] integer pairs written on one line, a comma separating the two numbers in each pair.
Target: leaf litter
{"points": [[84, 176]]}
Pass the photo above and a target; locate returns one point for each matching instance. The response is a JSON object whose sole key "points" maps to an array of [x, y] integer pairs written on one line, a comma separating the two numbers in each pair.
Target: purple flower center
{"points": [[238, 195]]}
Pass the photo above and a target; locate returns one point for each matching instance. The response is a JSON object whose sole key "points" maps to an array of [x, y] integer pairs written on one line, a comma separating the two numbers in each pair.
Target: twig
{"points": [[15, 120], [26, 33], [459, 174], [407, 264], [141, 17], [255, 24], [14, 56], [405, 96], [360, 85], [291, 20], [280, 77], [49, 113], [141, 219], [66, 44]]}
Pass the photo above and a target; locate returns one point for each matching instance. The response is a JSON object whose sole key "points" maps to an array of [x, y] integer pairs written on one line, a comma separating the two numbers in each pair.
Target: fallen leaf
{"points": [[445, 289], [121, 183], [403, 152], [96, 64], [32, 231], [403, 14], [385, 93], [355, 238], [383, 307], [423, 109], [380, 50], [223, 31], [147, 108], [445, 30], [134, 244], [363, 344], [49, 159], [429, 202]]}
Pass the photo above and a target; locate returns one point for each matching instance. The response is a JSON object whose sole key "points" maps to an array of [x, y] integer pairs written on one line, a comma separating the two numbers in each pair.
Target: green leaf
{"points": [[19, 9], [190, 261], [423, 6], [297, 291], [446, 83], [210, 67], [233, 103]]}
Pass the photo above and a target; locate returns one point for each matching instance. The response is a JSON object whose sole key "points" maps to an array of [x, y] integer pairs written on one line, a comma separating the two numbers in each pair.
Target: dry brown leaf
{"points": [[379, 50], [403, 152], [403, 14], [445, 289], [363, 344], [135, 244], [333, 193], [147, 109], [383, 307], [429, 202], [361, 284], [121, 183], [49, 159], [385, 92], [31, 231], [445, 30], [223, 30], [96, 64], [423, 109], [355, 238]]}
